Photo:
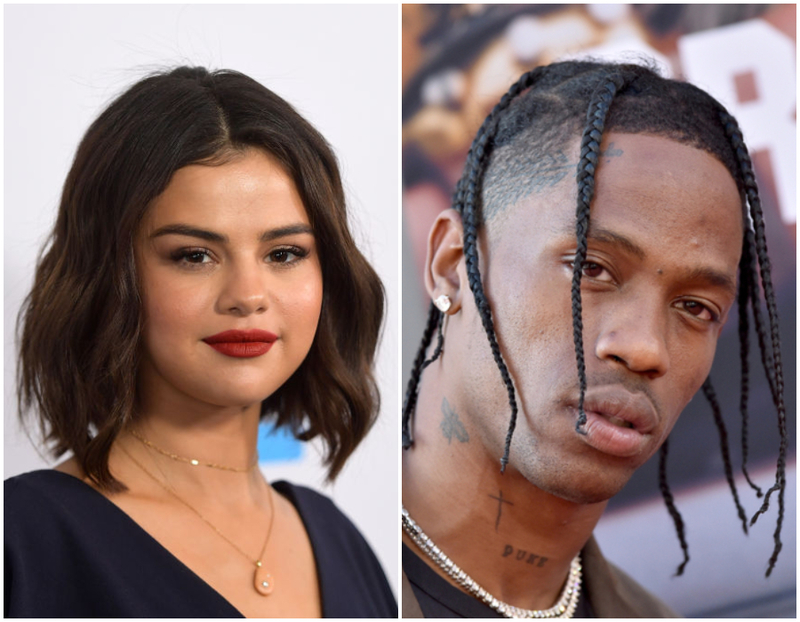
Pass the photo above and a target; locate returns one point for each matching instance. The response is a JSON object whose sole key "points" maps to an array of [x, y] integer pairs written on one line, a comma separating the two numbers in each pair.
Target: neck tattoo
{"points": [[564, 607]]}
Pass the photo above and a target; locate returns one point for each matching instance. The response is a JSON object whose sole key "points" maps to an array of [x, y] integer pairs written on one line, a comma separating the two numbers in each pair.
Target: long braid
{"points": [[776, 371], [669, 500], [587, 166], [758, 317], [476, 164], [711, 396], [410, 401], [437, 351], [467, 197], [745, 283]]}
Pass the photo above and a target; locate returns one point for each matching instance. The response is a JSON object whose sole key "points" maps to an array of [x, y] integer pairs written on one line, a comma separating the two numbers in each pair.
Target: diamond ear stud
{"points": [[443, 303]]}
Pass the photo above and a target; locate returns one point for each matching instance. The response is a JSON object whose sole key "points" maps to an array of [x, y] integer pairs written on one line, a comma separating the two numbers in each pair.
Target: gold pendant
{"points": [[264, 583]]}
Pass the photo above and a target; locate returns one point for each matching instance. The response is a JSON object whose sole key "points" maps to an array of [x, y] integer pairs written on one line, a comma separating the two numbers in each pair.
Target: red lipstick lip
{"points": [[242, 336], [242, 343]]}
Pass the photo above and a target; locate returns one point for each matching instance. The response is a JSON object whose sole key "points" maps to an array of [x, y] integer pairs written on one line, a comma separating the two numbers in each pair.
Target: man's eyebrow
{"points": [[703, 274], [212, 236], [713, 277], [610, 237]]}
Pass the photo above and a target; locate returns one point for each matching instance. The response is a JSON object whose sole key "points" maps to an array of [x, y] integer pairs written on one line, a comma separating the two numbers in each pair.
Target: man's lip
{"points": [[615, 401], [242, 336]]}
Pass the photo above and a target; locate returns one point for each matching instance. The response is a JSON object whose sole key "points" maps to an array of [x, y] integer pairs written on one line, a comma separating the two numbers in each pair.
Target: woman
{"points": [[200, 276]]}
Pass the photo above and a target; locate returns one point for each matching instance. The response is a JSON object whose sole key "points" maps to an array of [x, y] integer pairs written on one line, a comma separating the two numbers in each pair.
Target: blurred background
{"points": [[63, 64], [458, 60]]}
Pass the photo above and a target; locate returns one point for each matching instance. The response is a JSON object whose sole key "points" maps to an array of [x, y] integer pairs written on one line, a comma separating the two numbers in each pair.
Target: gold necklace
{"points": [[262, 580], [191, 461]]}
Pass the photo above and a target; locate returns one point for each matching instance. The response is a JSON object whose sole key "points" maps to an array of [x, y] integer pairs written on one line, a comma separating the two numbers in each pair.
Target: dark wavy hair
{"points": [[80, 327], [543, 110]]}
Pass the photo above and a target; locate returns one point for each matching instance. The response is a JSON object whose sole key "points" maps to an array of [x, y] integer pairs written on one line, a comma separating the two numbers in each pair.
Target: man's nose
{"points": [[635, 335]]}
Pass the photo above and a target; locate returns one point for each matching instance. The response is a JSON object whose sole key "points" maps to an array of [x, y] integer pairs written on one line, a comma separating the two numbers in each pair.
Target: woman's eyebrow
{"points": [[193, 232], [212, 236], [280, 232]]}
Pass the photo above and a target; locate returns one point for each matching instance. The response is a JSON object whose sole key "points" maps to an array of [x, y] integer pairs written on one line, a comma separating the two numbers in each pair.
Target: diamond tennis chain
{"points": [[564, 608]]}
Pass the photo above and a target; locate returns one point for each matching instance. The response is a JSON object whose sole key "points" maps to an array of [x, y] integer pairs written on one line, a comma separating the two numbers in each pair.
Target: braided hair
{"points": [[546, 108]]}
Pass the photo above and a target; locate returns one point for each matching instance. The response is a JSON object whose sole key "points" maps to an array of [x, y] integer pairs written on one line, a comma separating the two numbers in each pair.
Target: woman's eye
{"points": [[286, 255], [194, 257], [699, 310]]}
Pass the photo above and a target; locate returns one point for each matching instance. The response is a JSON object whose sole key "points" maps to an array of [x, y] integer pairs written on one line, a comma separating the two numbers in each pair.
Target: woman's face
{"points": [[231, 285]]}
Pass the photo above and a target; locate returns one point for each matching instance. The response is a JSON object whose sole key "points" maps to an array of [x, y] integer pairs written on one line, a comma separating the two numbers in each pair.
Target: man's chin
{"points": [[580, 487], [584, 496]]}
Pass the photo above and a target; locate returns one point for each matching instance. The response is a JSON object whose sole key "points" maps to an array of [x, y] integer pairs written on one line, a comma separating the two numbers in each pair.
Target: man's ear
{"points": [[445, 253]]}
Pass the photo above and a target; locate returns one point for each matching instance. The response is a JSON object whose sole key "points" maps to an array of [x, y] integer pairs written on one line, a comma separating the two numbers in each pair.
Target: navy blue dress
{"points": [[70, 552]]}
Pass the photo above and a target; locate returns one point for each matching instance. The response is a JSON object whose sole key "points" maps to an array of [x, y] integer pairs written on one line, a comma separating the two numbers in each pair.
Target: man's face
{"points": [[658, 283]]}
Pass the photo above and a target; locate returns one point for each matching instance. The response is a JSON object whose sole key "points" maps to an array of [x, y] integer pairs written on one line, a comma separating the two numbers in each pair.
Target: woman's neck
{"points": [[162, 446]]}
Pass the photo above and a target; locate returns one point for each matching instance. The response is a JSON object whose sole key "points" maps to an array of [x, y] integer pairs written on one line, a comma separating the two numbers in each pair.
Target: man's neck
{"points": [[514, 539]]}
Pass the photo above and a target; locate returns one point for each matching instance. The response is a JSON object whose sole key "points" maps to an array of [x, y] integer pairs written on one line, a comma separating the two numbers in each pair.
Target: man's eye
{"points": [[596, 272], [592, 270], [699, 310]]}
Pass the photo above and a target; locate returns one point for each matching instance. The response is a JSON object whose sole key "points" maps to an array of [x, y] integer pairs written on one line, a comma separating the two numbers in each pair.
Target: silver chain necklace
{"points": [[564, 608]]}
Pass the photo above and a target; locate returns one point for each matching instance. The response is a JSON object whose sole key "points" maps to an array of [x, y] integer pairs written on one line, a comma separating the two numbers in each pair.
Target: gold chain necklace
{"points": [[192, 461], [262, 580]]}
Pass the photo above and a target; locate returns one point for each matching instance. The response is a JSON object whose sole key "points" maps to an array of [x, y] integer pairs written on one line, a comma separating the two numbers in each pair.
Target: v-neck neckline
{"points": [[281, 487]]}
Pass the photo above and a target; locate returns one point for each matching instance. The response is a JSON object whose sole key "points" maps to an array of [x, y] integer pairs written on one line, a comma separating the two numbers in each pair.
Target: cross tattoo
{"points": [[500, 502]]}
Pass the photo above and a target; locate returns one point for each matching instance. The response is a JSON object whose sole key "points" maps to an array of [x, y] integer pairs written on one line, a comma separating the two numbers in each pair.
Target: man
{"points": [[648, 263]]}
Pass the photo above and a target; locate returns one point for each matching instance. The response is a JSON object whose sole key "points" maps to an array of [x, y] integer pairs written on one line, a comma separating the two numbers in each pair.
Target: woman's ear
{"points": [[445, 253]]}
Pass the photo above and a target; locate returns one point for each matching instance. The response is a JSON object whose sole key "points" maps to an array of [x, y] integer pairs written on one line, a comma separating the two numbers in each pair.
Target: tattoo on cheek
{"points": [[451, 425], [522, 556]]}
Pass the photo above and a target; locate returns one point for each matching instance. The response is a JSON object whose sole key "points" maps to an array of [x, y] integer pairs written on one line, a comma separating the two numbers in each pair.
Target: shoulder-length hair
{"points": [[80, 326]]}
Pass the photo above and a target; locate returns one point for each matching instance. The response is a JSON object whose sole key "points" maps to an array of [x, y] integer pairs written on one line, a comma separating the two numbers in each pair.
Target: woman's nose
{"points": [[244, 290]]}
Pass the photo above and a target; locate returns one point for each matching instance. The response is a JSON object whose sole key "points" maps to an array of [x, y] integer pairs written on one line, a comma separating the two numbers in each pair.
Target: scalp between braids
{"points": [[80, 326], [542, 111]]}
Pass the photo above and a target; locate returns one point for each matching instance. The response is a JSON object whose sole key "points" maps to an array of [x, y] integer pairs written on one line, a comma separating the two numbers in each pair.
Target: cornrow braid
{"points": [[467, 203], [775, 371], [542, 111], [669, 500], [745, 284], [758, 318], [587, 166], [412, 391], [711, 396]]}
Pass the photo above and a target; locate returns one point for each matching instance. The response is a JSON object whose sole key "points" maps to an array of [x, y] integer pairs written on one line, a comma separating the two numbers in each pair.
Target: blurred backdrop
{"points": [[457, 62]]}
